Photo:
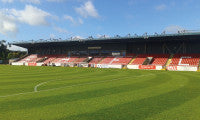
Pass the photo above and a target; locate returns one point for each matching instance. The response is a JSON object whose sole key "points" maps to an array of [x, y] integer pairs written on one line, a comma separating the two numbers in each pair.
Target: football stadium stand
{"points": [[185, 59], [154, 59], [175, 52], [139, 60], [121, 60], [107, 60], [142, 61], [95, 60], [80, 60]]}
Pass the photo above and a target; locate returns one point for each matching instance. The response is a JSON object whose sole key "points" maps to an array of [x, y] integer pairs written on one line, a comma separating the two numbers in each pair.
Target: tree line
{"points": [[6, 54]]}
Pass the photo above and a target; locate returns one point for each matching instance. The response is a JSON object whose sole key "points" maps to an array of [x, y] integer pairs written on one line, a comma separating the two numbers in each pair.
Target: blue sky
{"points": [[44, 19]]}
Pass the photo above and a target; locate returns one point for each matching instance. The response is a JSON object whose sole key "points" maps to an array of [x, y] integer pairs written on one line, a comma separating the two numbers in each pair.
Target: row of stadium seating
{"points": [[186, 59], [141, 59], [157, 59], [111, 60], [96, 60], [31, 58]]}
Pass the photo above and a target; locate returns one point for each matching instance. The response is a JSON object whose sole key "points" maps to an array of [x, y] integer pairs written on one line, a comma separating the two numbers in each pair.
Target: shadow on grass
{"points": [[64, 98], [141, 109]]}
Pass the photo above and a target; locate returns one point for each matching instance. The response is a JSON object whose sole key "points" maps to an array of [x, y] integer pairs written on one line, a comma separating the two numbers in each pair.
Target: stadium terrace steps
{"points": [[132, 60], [169, 60]]}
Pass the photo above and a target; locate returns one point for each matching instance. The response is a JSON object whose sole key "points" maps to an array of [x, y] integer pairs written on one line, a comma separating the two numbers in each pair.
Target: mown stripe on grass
{"points": [[147, 107], [84, 80], [93, 104], [57, 99]]}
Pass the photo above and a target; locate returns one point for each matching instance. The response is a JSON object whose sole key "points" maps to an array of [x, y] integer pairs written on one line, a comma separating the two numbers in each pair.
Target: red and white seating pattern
{"points": [[182, 62], [64, 59], [121, 61], [107, 60], [31, 58], [50, 59], [95, 60], [158, 59], [79, 60], [185, 59], [139, 60]]}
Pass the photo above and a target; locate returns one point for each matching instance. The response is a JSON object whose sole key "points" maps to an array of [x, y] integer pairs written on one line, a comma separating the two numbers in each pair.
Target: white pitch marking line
{"points": [[35, 91], [35, 88], [114, 79], [90, 83], [40, 84]]}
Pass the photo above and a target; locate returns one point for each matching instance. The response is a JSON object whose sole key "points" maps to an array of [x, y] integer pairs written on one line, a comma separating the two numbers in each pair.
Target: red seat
{"points": [[158, 59], [185, 59], [122, 60], [107, 60], [31, 58], [96, 60]]}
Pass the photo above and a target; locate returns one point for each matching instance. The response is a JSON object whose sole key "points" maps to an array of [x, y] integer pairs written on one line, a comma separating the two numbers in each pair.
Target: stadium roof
{"points": [[129, 37]]}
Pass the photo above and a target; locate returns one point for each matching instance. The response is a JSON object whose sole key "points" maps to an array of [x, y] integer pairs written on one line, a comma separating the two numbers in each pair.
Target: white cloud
{"points": [[23, 1], [102, 36], [9, 18], [173, 29], [31, 1], [72, 20], [60, 30], [7, 1], [8, 25], [161, 7], [77, 38], [80, 20], [31, 15], [56, 0], [87, 10], [52, 36]]}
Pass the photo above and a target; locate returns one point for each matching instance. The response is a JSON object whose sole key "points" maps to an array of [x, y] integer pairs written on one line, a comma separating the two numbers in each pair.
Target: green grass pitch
{"points": [[58, 93]]}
